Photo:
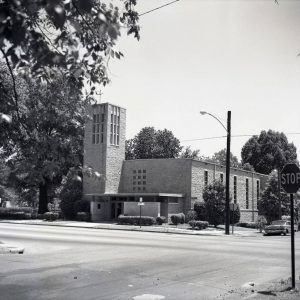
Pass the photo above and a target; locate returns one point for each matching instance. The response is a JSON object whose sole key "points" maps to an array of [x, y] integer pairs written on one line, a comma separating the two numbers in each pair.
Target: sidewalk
{"points": [[239, 232]]}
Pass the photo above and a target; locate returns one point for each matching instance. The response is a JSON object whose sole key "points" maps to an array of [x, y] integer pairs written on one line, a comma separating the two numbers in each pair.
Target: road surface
{"points": [[75, 263]]}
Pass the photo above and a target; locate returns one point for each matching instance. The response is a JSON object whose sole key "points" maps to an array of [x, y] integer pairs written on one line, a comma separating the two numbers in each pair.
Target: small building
{"points": [[114, 185]]}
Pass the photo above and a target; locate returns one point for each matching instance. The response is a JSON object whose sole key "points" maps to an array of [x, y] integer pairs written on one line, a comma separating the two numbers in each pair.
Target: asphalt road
{"points": [[73, 263]]}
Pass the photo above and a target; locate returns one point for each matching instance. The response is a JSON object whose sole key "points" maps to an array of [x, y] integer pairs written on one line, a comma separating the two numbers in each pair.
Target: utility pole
{"points": [[227, 209]]}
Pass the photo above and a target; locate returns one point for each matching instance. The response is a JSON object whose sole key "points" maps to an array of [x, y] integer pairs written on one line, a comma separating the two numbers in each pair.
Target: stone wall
{"points": [[103, 160]]}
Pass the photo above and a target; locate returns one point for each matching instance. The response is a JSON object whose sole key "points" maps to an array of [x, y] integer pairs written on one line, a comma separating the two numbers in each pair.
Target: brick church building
{"points": [[166, 186]]}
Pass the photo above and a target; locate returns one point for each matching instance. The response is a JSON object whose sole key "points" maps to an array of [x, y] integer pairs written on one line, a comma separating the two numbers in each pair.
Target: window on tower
{"points": [[115, 126], [96, 129]]}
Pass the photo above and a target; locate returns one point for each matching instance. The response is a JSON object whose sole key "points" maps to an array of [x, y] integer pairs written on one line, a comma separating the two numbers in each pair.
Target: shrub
{"points": [[160, 220], [135, 220], [15, 213], [70, 194], [50, 216], [190, 216], [198, 224], [175, 219], [199, 208], [182, 218], [83, 216]]}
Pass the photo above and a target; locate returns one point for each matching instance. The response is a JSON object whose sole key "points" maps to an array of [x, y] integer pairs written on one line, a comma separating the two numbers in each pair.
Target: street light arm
{"points": [[207, 113]]}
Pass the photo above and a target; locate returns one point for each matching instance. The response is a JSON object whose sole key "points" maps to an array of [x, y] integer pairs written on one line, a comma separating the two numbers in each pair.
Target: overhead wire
{"points": [[233, 136]]}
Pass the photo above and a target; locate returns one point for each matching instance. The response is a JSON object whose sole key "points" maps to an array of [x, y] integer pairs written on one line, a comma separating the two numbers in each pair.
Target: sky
{"points": [[214, 56]]}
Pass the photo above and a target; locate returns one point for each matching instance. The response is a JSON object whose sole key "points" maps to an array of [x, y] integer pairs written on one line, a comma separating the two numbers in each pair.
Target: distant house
{"points": [[166, 186]]}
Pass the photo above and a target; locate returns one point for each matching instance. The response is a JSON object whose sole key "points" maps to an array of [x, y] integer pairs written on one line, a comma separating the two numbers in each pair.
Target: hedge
{"points": [[50, 216], [198, 224], [135, 220], [160, 220], [16, 213], [178, 218]]}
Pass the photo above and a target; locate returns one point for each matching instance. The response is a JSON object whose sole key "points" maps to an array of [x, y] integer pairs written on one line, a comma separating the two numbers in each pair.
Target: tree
{"points": [[214, 198], [48, 140], [149, 143], [166, 144], [268, 151], [77, 35], [187, 152], [220, 158], [269, 203], [71, 195], [129, 149]]}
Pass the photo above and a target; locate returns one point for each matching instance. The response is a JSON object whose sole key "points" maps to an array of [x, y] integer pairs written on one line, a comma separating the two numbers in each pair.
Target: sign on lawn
{"points": [[290, 178]]}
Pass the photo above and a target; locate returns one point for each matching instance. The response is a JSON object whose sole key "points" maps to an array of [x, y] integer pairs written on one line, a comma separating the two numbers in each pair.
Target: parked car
{"points": [[279, 227]]}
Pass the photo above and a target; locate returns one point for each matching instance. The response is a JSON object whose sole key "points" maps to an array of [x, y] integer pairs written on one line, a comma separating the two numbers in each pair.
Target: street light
{"points": [[228, 130]]}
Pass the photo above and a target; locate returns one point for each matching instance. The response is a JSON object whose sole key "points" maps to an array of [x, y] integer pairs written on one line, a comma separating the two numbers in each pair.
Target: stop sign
{"points": [[290, 178]]}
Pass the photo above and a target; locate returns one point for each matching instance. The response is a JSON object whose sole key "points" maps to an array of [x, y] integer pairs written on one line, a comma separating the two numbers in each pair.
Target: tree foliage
{"points": [[187, 152], [79, 36], [220, 158], [151, 143], [269, 203], [71, 196], [214, 198], [268, 151], [45, 138]]}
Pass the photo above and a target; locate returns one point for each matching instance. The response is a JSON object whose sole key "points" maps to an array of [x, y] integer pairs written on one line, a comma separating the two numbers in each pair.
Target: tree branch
{"points": [[14, 89]]}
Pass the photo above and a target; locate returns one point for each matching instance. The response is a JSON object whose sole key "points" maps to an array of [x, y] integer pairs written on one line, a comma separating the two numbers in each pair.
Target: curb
{"points": [[167, 230]]}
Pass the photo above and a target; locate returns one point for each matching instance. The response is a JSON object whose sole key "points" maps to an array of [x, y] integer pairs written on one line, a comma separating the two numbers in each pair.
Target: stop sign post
{"points": [[290, 182]]}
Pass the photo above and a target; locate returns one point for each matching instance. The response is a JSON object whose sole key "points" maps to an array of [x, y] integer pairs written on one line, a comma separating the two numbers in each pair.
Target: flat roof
{"points": [[137, 194]]}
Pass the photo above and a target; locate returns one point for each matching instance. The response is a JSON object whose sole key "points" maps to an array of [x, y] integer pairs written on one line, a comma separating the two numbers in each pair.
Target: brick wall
{"points": [[214, 171], [161, 176]]}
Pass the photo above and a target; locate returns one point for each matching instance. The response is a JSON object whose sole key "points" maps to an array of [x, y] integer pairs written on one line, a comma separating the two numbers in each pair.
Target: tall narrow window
{"points": [[234, 189], [205, 178], [102, 124], [247, 193], [257, 192], [115, 126], [96, 129]]}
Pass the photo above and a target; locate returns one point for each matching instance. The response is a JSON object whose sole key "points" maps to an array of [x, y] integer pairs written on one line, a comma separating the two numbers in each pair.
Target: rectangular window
{"points": [[205, 178], [221, 177], [115, 126], [257, 192], [234, 189], [247, 193], [99, 206], [96, 129]]}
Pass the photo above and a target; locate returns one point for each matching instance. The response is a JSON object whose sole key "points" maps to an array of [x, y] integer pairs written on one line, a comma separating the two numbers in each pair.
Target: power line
{"points": [[233, 136], [149, 11]]}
